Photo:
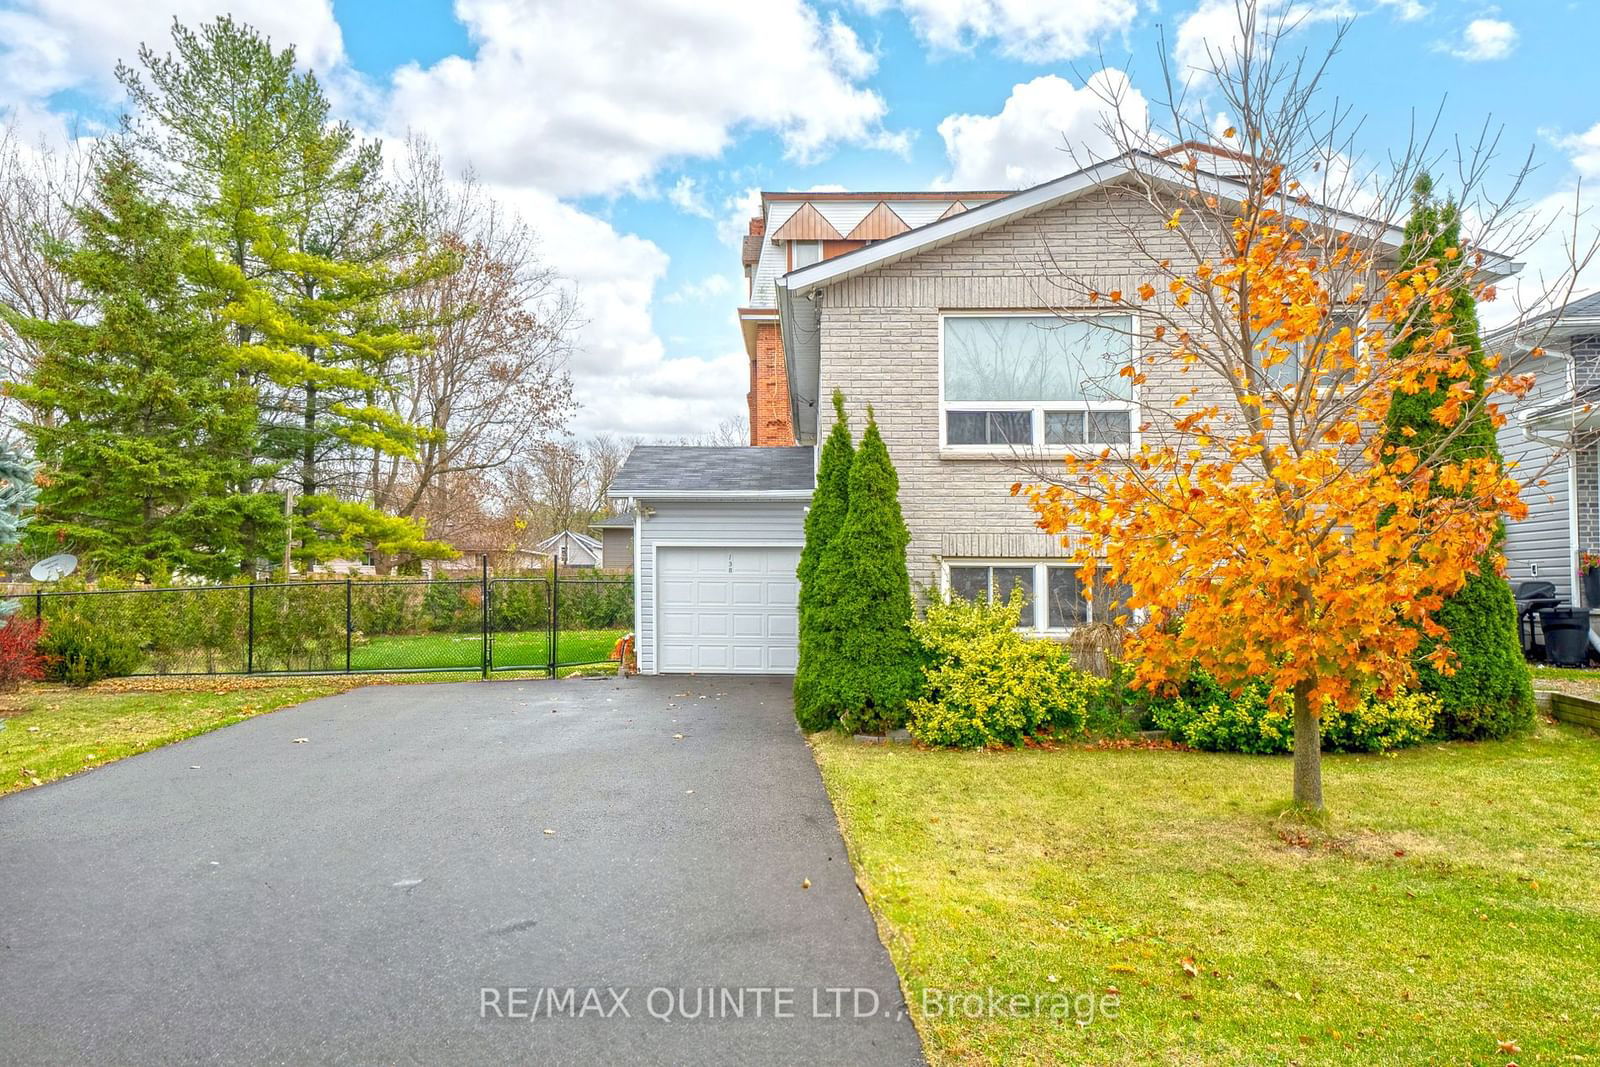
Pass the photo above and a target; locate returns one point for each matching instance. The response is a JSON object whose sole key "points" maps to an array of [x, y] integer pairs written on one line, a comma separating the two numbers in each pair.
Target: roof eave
{"points": [[710, 494]]}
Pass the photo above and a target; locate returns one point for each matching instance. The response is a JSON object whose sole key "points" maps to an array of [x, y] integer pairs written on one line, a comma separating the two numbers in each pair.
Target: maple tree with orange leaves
{"points": [[1262, 523]]}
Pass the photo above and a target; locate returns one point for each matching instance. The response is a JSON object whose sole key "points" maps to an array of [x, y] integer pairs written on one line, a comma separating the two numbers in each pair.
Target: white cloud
{"points": [[1584, 151], [1485, 39], [622, 376], [1209, 35], [685, 196], [586, 97], [1046, 128], [1036, 31], [47, 46], [1407, 10], [737, 211], [707, 288], [854, 61]]}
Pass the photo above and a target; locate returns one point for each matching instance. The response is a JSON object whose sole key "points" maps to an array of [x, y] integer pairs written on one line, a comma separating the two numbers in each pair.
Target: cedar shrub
{"points": [[867, 661], [829, 504], [1490, 694]]}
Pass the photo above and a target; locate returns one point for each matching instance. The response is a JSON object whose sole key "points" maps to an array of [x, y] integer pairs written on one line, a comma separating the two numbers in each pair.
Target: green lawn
{"points": [[52, 732], [1453, 902], [465, 650]]}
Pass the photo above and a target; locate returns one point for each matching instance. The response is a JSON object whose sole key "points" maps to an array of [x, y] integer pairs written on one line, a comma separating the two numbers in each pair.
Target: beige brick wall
{"points": [[880, 345]]}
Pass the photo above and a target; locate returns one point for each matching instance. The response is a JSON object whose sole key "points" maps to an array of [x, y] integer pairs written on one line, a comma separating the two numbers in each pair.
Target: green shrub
{"points": [[80, 652], [1204, 715], [989, 685], [866, 660], [1490, 694], [1115, 709], [830, 502], [1378, 726]]}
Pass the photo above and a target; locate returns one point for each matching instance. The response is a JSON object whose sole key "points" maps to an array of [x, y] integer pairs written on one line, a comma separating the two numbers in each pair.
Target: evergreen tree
{"points": [[307, 254], [1490, 694], [829, 505], [142, 428], [18, 495], [867, 664]]}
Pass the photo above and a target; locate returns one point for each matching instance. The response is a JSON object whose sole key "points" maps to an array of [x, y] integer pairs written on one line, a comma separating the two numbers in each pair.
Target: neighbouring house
{"points": [[569, 548], [616, 542], [944, 312], [1552, 435]]}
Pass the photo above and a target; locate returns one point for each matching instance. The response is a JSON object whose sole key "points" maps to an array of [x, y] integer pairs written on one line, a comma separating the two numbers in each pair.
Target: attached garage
{"points": [[717, 539], [727, 609]]}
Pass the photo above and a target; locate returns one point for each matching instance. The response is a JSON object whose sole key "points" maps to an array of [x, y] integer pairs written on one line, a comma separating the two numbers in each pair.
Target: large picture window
{"points": [[1023, 380], [1052, 592]]}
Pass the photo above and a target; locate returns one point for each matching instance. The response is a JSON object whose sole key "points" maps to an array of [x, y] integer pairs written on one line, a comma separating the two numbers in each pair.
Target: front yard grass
{"points": [[51, 732], [1452, 902]]}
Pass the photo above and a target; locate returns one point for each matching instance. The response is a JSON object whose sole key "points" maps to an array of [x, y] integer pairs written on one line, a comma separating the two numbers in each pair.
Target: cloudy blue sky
{"points": [[633, 134]]}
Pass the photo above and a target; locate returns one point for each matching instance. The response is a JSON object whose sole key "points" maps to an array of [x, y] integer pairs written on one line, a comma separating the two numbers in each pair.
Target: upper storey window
{"points": [[1037, 379]]}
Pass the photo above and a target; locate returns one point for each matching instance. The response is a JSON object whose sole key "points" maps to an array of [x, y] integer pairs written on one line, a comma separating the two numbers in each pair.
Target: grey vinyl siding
{"points": [[616, 549], [1539, 548], [718, 523]]}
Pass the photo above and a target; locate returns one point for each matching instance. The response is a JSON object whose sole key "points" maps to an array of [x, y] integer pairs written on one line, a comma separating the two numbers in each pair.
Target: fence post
{"points": [[555, 613], [483, 649], [347, 623], [38, 605], [250, 630]]}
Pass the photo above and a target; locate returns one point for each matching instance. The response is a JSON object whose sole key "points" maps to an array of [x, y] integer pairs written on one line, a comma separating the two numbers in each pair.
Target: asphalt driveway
{"points": [[386, 890]]}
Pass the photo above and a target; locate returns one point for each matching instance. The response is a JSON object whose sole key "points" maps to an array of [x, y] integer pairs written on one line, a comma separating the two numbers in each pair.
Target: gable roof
{"points": [[692, 471], [807, 224], [582, 539], [799, 319], [879, 223], [1048, 194]]}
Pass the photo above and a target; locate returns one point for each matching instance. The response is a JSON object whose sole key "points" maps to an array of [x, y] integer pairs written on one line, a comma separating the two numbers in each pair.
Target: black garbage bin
{"points": [[1566, 636]]}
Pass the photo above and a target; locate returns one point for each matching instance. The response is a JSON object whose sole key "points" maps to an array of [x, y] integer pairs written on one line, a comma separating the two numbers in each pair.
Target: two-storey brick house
{"points": [[947, 314]]}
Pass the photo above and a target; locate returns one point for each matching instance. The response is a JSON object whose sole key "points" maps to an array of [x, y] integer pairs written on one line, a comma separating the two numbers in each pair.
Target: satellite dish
{"points": [[54, 568]]}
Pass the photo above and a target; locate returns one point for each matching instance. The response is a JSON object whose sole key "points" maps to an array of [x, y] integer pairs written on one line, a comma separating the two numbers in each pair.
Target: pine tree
{"points": [[307, 256], [1490, 694], [18, 495], [868, 667], [829, 505], [141, 427]]}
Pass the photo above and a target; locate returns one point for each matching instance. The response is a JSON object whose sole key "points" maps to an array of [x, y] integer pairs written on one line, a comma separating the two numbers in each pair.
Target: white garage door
{"points": [[726, 609]]}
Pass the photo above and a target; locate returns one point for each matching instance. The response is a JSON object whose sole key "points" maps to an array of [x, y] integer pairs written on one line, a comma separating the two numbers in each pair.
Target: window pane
{"points": [[807, 253], [1008, 578], [1036, 358], [969, 583], [989, 427], [967, 427], [1067, 607], [1011, 427], [1063, 427], [1110, 427]]}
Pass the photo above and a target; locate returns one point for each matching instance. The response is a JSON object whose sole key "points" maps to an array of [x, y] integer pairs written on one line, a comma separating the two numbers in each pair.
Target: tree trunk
{"points": [[1307, 751], [308, 445]]}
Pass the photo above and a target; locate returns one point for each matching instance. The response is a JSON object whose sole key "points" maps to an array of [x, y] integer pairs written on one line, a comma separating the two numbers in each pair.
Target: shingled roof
{"points": [[679, 470]]}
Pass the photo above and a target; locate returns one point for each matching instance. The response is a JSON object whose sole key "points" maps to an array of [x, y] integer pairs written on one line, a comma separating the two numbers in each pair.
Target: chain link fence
{"points": [[353, 626]]}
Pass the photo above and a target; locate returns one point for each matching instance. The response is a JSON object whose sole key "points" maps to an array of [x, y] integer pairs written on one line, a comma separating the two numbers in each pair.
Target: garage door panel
{"points": [[749, 624], [679, 624], [727, 609]]}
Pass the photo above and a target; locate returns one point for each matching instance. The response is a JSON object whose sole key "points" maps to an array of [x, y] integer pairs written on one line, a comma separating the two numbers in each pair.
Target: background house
{"points": [[616, 542], [1552, 435], [569, 548]]}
